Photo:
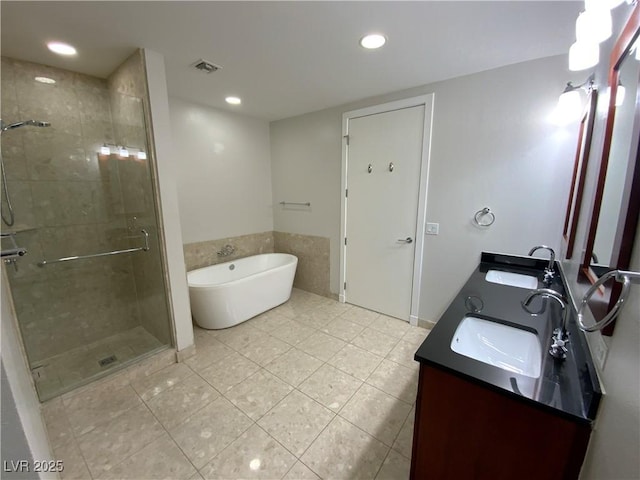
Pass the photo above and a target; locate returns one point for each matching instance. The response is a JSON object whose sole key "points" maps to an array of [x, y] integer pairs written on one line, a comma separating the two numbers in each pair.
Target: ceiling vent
{"points": [[206, 67]]}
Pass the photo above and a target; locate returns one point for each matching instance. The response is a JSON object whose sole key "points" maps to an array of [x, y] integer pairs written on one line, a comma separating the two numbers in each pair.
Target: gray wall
{"points": [[13, 440], [224, 179], [15, 373], [613, 452], [492, 145]]}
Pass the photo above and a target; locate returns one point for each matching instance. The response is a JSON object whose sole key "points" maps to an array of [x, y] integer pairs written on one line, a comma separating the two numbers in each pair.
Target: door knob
{"points": [[405, 240]]}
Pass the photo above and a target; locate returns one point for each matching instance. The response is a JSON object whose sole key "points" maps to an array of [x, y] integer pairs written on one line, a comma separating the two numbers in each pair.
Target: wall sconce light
{"points": [[123, 151], [569, 106], [611, 4], [593, 26], [595, 22], [45, 80], [620, 91], [583, 54]]}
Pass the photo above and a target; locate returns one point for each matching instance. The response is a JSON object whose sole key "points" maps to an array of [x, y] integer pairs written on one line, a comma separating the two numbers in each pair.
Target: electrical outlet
{"points": [[599, 349], [433, 228]]}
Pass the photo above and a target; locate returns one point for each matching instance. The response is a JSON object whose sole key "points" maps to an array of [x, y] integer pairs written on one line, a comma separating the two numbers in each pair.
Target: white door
{"points": [[384, 157]]}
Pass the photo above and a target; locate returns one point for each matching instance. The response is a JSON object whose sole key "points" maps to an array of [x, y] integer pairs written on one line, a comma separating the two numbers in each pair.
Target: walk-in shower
{"points": [[88, 284], [7, 197]]}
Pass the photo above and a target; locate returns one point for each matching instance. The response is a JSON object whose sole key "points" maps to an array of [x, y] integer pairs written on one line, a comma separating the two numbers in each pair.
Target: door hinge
{"points": [[346, 137], [345, 240], [345, 286], [346, 193]]}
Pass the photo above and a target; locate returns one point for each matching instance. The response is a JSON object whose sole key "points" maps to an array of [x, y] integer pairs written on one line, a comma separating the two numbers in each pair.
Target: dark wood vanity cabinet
{"points": [[464, 430]]}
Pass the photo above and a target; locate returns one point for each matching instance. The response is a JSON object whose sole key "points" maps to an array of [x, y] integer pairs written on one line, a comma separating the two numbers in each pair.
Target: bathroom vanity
{"points": [[492, 402]]}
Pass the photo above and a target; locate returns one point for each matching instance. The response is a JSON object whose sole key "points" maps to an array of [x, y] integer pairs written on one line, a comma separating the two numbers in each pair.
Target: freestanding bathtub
{"points": [[230, 293]]}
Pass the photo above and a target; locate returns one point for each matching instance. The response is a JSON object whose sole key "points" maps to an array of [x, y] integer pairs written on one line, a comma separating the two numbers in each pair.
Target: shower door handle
{"points": [[405, 240]]}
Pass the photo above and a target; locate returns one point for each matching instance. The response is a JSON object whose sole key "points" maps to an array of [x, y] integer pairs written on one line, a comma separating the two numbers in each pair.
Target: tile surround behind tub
{"points": [[203, 254], [312, 273]]}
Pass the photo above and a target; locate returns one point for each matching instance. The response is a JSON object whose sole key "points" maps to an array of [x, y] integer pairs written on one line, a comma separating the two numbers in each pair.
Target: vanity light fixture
{"points": [[583, 55], [62, 48], [569, 106], [620, 91], [46, 80], [123, 151], [233, 100], [593, 26], [373, 41], [594, 23]]}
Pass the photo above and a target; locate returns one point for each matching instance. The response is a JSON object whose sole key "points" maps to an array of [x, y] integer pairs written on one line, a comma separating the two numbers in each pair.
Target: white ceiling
{"points": [[289, 58]]}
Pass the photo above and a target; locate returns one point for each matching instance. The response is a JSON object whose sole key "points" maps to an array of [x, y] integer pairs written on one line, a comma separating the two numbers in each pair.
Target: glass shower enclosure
{"points": [[89, 293]]}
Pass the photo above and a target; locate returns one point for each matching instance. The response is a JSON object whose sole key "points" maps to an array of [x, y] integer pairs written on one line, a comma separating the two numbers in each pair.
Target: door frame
{"points": [[427, 102]]}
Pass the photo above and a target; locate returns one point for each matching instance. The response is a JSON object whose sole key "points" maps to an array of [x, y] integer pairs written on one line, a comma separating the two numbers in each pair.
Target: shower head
{"points": [[32, 123]]}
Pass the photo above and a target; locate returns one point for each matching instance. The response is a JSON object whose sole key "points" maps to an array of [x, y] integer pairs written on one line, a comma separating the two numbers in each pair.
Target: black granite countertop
{"points": [[569, 388]]}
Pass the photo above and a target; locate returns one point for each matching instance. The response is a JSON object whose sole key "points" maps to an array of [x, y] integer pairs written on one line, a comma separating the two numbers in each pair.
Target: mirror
{"points": [[617, 199], [579, 173], [606, 245]]}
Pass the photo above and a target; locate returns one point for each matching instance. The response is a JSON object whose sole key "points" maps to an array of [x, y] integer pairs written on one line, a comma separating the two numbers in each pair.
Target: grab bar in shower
{"points": [[10, 254], [104, 254], [306, 204]]}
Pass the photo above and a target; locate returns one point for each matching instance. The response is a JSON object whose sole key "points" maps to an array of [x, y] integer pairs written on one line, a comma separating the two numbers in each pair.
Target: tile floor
{"points": [[312, 389], [62, 372]]}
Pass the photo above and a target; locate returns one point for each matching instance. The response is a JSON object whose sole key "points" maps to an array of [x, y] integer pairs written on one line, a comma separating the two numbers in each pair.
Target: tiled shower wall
{"points": [[71, 200], [127, 88], [67, 202]]}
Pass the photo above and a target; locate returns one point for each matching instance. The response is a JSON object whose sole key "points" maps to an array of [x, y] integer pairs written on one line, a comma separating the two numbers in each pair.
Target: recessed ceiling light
{"points": [[233, 100], [61, 48], [372, 41], [47, 80]]}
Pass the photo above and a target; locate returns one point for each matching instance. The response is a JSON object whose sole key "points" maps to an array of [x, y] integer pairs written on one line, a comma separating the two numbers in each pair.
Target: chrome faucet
{"points": [[548, 271], [226, 250], [560, 337]]}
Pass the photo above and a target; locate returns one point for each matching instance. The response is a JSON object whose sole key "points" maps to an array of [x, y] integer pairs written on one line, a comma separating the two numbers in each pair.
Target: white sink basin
{"points": [[512, 279], [505, 347]]}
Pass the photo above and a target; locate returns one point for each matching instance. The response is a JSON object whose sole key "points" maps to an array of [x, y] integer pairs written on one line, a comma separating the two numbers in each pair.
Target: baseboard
{"points": [[428, 324]]}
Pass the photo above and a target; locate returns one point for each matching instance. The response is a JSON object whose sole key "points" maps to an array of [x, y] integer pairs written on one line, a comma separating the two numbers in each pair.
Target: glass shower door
{"points": [[89, 295]]}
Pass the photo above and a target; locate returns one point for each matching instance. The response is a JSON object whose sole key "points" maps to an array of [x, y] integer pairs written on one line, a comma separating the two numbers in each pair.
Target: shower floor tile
{"points": [[306, 413], [60, 373]]}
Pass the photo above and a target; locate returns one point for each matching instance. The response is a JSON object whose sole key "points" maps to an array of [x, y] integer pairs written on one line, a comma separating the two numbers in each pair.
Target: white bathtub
{"points": [[230, 293]]}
